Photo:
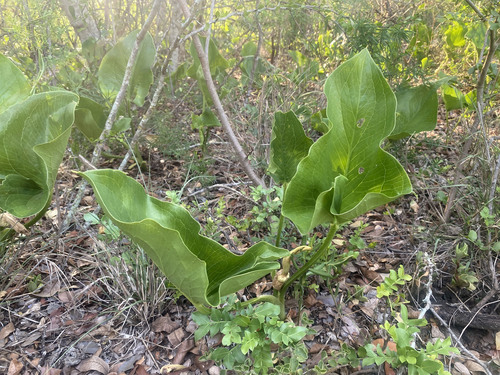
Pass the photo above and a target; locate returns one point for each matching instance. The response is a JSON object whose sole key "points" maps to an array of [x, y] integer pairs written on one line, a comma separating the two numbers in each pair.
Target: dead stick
{"points": [[226, 125]]}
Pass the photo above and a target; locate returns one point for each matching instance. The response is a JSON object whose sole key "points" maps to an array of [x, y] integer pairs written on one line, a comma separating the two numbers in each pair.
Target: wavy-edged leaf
{"points": [[33, 138], [416, 111], [15, 87], [114, 63], [346, 172], [289, 145], [199, 267]]}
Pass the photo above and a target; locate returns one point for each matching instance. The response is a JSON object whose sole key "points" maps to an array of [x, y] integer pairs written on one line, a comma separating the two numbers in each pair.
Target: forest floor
{"points": [[86, 301]]}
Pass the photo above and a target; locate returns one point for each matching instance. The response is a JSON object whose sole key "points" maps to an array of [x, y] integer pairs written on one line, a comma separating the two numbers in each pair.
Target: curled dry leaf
{"points": [[94, 363], [164, 324], [7, 330], [474, 367], [461, 369], [51, 371], [176, 337], [15, 367], [183, 349], [171, 368], [10, 221], [50, 289]]}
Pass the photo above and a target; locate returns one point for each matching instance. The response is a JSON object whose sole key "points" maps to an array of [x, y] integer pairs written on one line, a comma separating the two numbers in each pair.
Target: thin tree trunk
{"points": [[81, 19], [96, 155], [226, 125]]}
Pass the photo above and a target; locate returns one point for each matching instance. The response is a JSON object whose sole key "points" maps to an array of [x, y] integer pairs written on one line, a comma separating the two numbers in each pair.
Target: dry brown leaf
{"points": [[356, 224], [316, 348], [141, 370], [171, 368], [310, 300], [460, 368], [15, 367], [51, 371], [164, 324], [436, 332], [104, 330], [388, 369], [31, 339], [7, 330], [497, 340], [369, 306], [52, 215], [414, 206], [10, 221], [474, 367], [390, 344], [176, 337], [66, 296], [185, 346], [94, 363], [372, 275], [50, 289]]}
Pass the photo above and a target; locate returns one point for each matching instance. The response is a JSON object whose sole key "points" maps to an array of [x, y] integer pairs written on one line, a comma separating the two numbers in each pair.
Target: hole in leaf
{"points": [[361, 170], [360, 122]]}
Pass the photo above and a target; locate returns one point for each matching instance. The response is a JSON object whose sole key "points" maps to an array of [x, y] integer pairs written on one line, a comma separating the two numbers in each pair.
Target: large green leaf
{"points": [[114, 63], [289, 145], [33, 138], [416, 111], [15, 87], [200, 268], [90, 118], [346, 172]]}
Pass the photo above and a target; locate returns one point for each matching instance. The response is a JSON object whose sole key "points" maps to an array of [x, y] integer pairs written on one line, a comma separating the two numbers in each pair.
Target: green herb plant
{"points": [[247, 335], [418, 361], [342, 175], [331, 181]]}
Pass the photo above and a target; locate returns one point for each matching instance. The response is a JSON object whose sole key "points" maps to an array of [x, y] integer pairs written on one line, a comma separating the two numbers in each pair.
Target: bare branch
{"points": [[226, 125], [96, 155]]}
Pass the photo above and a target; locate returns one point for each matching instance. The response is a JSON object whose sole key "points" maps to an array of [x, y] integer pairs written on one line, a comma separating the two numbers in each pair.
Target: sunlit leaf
{"points": [[346, 172], [453, 98], [199, 267], [14, 87], [33, 138], [114, 63], [455, 34], [206, 120]]}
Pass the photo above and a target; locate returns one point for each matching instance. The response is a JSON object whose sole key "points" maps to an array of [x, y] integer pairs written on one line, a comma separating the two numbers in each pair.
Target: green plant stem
{"points": [[203, 309], [303, 270], [282, 220]]}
